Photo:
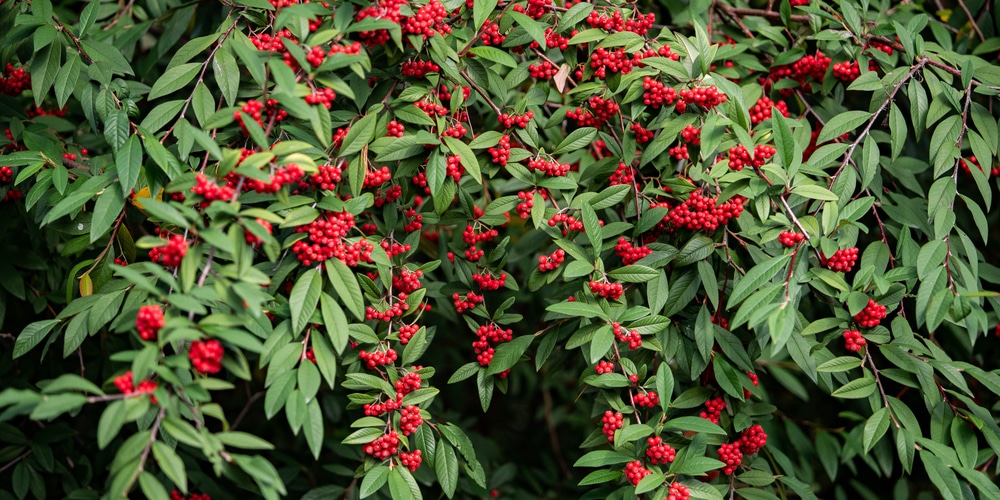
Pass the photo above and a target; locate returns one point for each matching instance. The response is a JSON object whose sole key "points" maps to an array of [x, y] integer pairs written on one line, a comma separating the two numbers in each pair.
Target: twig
{"points": [[76, 40], [246, 408], [147, 449], [881, 390], [553, 433], [480, 91], [16, 460]]}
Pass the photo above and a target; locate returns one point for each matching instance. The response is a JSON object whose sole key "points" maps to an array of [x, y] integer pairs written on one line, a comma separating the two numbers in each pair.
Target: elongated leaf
{"points": [[755, 278]]}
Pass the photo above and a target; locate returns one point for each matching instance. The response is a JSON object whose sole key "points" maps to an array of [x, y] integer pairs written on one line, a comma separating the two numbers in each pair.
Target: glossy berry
{"points": [[679, 491], [612, 422], [410, 419], [853, 340], [149, 321], [752, 439], [790, 239], [705, 214], [659, 452], [871, 315], [732, 456], [551, 261], [377, 358], [713, 409], [634, 472], [610, 291], [170, 255], [410, 460], [206, 357], [842, 261], [604, 367], [383, 446], [648, 399]]}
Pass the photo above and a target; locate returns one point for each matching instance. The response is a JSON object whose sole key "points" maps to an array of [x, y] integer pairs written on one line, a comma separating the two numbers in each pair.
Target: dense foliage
{"points": [[489, 248]]}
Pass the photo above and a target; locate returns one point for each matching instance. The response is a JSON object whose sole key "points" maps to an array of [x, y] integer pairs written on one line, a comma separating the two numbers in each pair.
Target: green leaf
{"points": [[346, 286], [174, 79], [128, 164], [374, 480], [32, 335], [359, 135], [875, 428], [244, 440], [494, 54], [698, 248], [446, 468], [53, 406], [534, 28], [814, 192], [151, 487], [576, 140], [649, 483], [170, 463], [841, 124], [110, 423], [856, 389], [227, 74], [582, 309], [941, 476], [600, 458], [696, 424], [484, 388], [754, 278], [44, 67], [839, 364]]}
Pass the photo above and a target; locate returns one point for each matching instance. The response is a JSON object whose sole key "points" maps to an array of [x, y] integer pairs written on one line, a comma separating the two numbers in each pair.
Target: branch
{"points": [[147, 449]]}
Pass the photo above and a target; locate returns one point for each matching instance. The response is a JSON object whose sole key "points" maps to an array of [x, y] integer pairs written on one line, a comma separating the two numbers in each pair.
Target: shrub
{"points": [[480, 248]]}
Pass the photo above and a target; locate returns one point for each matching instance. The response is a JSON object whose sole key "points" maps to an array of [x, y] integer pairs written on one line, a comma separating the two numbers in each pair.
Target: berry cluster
{"points": [[383, 446], [604, 367], [568, 222], [536, 8], [544, 70], [489, 334], [679, 491], [501, 153], [600, 111], [679, 152], [705, 214], [326, 178], [491, 34], [14, 81], [732, 456], [691, 135], [615, 61], [383, 9], [551, 261], [486, 281], [633, 337], [522, 121], [373, 359], [630, 254], [394, 129], [713, 409], [634, 472], [206, 356], [752, 439], [549, 168], [256, 110], [419, 68], [410, 460], [289, 174], [642, 136], [656, 93], [659, 452], [253, 239], [739, 157], [847, 71], [406, 332], [810, 66], [410, 419], [755, 381], [149, 321], [170, 255], [761, 111], [125, 384], [6, 175], [211, 191], [624, 174], [871, 315], [639, 23], [790, 239], [396, 310], [612, 422], [468, 302], [610, 291], [704, 97], [842, 261], [995, 171], [427, 21], [431, 108], [648, 399], [326, 239], [324, 96], [378, 409], [853, 340], [408, 383]]}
